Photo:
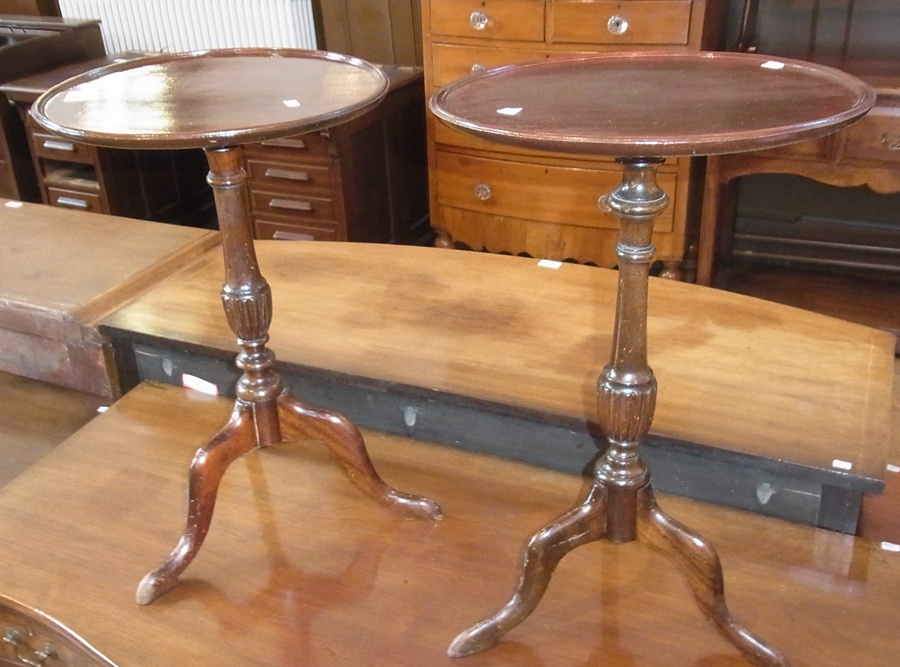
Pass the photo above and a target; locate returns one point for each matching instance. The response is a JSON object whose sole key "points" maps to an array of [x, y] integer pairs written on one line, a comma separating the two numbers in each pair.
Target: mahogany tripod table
{"points": [[641, 108], [218, 100]]}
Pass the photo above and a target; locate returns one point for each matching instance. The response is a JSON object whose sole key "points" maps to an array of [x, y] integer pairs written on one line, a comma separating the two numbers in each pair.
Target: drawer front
{"points": [[624, 22], [875, 138], [291, 231], [75, 200], [451, 61], [300, 147], [816, 149], [53, 147], [293, 206], [291, 177], [563, 195], [489, 19]]}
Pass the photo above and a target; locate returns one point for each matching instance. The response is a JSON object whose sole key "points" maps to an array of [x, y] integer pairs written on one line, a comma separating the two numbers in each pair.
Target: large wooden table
{"points": [[300, 569], [758, 405]]}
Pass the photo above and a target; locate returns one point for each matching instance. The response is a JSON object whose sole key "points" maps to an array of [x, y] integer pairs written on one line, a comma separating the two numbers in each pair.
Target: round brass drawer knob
{"points": [[617, 25], [478, 20], [483, 192]]}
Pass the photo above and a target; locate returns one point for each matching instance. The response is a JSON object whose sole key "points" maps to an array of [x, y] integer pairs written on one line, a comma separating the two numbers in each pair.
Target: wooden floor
{"points": [[871, 301]]}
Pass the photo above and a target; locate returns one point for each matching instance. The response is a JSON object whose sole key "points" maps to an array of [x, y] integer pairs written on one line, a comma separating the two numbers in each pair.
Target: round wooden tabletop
{"points": [[210, 99], [643, 104]]}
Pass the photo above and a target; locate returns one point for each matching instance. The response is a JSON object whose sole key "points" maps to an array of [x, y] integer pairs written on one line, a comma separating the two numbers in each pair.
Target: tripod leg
{"points": [[704, 573], [582, 524], [210, 462], [345, 441]]}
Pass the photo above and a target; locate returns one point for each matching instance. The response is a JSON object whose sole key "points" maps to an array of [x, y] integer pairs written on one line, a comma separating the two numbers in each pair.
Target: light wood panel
{"points": [[388, 32], [734, 372], [300, 569]]}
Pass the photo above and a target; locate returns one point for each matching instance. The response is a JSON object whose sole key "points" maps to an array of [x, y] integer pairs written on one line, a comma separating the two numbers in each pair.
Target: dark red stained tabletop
{"points": [[654, 104], [213, 98]]}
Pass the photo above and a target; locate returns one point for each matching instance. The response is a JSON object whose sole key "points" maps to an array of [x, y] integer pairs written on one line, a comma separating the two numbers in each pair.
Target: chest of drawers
{"points": [[364, 180], [501, 199]]}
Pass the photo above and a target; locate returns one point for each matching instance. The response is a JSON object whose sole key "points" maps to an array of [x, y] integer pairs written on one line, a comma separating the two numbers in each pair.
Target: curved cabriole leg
{"points": [[346, 443], [210, 462], [582, 524], [704, 572]]}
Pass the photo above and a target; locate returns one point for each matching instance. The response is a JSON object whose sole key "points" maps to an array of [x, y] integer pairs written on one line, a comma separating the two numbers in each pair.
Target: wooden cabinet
{"points": [[503, 199], [164, 186], [364, 180]]}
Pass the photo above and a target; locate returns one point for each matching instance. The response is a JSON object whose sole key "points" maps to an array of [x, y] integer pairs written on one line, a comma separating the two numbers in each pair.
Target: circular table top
{"points": [[642, 104], [211, 98]]}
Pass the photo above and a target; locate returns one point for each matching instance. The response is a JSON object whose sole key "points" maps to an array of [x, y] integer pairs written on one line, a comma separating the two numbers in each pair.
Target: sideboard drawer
{"points": [[521, 20], [292, 205], [453, 61], [624, 22], [293, 177], [875, 138], [563, 195]]}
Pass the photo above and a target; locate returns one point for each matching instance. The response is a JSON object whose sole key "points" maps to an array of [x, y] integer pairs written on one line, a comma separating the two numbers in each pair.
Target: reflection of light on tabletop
{"points": [[13, 204], [125, 100], [890, 546], [772, 64], [509, 111], [291, 104]]}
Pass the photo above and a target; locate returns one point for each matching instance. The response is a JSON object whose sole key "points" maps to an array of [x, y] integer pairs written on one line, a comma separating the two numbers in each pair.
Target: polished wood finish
{"points": [[164, 186], [55, 285], [26, 434], [192, 105], [364, 180], [476, 200], [606, 104], [508, 331], [325, 578], [762, 112]]}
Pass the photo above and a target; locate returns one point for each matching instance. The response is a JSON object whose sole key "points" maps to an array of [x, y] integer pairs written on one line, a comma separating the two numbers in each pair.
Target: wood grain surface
{"points": [[733, 371], [301, 569]]}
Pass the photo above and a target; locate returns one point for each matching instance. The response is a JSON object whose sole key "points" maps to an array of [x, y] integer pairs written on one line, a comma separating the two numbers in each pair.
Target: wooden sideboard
{"points": [[487, 196], [364, 180]]}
